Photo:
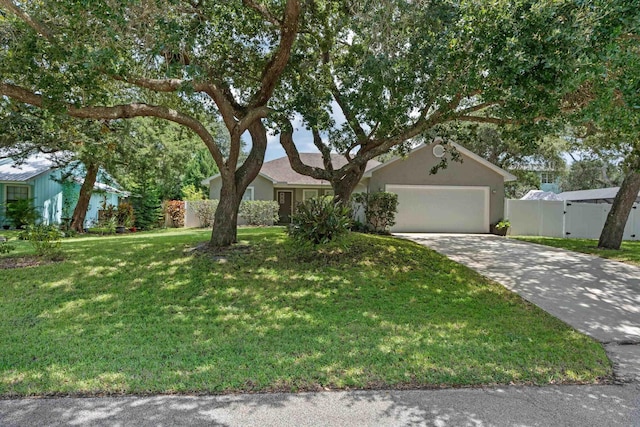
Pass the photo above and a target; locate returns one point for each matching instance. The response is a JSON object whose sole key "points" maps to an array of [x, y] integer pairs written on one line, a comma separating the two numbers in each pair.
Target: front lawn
{"points": [[629, 251], [141, 313]]}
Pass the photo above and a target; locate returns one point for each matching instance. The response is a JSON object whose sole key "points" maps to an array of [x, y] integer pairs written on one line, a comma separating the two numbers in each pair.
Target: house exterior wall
{"points": [[262, 188], [47, 197], [95, 204], [414, 170]]}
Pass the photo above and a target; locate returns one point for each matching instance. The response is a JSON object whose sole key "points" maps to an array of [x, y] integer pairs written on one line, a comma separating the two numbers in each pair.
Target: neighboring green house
{"points": [[40, 179]]}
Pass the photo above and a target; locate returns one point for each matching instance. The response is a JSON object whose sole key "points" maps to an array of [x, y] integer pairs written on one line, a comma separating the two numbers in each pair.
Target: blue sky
{"points": [[301, 136]]}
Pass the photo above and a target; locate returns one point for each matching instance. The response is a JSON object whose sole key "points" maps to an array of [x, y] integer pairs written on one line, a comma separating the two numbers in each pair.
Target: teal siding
{"points": [[56, 201], [48, 194]]}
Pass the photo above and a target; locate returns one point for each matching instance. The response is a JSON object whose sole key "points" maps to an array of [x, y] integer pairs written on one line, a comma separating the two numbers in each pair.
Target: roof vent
{"points": [[438, 150]]}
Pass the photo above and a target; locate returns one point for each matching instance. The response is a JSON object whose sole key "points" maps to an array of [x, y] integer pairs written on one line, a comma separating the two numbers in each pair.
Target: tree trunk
{"points": [[613, 231], [344, 186], [225, 223], [234, 184], [80, 211]]}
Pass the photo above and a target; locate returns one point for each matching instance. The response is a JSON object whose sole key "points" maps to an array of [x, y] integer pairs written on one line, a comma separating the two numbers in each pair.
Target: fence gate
{"points": [[565, 219], [585, 220]]}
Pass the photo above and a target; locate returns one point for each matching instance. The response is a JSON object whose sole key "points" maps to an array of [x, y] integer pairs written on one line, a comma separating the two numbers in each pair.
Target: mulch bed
{"points": [[22, 262]]}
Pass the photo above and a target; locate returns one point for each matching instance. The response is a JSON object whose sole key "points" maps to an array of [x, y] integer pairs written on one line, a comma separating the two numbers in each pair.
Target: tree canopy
{"points": [[181, 62], [382, 73]]}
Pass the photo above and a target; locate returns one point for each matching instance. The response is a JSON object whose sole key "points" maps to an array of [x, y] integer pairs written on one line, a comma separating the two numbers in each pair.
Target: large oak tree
{"points": [[177, 61], [378, 74], [606, 106]]}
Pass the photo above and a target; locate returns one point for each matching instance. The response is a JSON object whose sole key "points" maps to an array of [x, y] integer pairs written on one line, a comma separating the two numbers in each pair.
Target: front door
{"points": [[285, 200]]}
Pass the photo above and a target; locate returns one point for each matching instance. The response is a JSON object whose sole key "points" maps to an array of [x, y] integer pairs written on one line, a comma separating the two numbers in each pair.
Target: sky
{"points": [[302, 137]]}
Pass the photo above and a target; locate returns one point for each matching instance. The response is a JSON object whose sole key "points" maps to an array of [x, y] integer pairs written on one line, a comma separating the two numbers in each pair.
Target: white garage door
{"points": [[441, 209]]}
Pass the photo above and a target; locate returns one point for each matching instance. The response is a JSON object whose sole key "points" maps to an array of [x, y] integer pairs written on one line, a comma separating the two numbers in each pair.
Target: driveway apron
{"points": [[598, 297]]}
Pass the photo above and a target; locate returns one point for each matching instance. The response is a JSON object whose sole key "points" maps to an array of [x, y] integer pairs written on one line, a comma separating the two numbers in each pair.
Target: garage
{"points": [[441, 208]]}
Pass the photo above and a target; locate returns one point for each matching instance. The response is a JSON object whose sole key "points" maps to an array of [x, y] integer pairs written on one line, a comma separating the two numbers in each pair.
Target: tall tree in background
{"points": [[589, 173], [177, 61], [379, 74], [520, 154], [607, 103]]}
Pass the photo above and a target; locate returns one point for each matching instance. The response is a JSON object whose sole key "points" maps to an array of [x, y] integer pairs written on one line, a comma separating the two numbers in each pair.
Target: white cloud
{"points": [[301, 136]]}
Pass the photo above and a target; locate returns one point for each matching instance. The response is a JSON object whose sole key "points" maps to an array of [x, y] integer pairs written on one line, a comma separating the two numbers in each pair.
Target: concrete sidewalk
{"points": [[598, 297], [582, 406]]}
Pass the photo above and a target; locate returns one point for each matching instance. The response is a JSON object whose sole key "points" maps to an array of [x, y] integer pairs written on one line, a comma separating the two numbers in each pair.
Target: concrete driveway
{"points": [[598, 297]]}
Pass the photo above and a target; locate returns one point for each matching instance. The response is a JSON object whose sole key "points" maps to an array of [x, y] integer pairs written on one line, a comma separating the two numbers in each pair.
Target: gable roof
{"points": [[32, 167], [279, 170], [38, 164], [473, 156]]}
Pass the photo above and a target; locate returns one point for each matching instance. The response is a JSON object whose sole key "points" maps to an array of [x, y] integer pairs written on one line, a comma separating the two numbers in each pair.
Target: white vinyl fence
{"points": [[564, 219]]}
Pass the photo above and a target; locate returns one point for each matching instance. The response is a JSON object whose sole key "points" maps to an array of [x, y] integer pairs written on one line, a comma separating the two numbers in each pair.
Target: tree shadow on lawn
{"points": [[146, 316]]}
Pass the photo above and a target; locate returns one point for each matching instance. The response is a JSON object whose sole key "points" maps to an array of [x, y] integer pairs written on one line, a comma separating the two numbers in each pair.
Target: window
{"points": [[17, 192], [547, 177], [248, 194], [307, 194]]}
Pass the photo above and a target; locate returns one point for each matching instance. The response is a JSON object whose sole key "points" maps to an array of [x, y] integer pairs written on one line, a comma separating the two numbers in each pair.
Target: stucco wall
{"points": [[414, 170], [262, 188]]}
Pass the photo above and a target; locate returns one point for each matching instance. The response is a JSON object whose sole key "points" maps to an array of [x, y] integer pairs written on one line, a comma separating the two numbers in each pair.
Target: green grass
{"points": [[629, 251], [139, 313]]}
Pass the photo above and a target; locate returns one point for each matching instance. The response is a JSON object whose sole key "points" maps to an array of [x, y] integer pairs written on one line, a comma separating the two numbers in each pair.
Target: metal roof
{"points": [[19, 172], [37, 164], [541, 195], [602, 194]]}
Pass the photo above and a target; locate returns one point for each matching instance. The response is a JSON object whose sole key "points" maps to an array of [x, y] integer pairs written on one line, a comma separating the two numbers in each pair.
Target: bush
{"points": [[176, 211], [5, 246], [379, 210], [192, 193], [45, 239], [204, 210], [21, 213], [319, 220], [125, 215], [259, 212]]}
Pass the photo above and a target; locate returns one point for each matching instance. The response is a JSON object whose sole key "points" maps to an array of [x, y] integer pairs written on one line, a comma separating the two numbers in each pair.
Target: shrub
{"points": [[192, 193], [45, 239], [204, 210], [176, 211], [21, 213], [380, 210], [125, 215], [5, 246], [319, 220], [259, 212]]}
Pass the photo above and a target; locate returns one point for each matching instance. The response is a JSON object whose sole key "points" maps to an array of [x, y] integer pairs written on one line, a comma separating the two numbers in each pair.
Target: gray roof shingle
{"points": [[279, 170]]}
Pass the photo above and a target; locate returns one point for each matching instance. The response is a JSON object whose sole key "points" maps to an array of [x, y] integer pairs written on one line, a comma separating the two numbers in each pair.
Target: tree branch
{"points": [[480, 119], [125, 111], [326, 152], [286, 140], [38, 27], [262, 10], [275, 67], [477, 107]]}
